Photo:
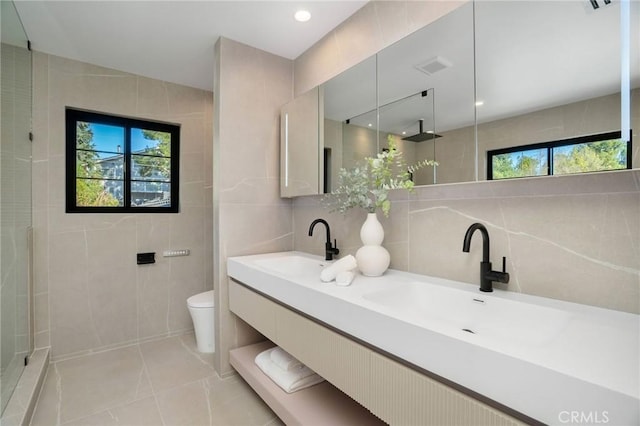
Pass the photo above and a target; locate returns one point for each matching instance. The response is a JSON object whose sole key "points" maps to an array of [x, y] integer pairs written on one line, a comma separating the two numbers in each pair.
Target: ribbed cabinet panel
{"points": [[402, 396], [255, 310], [339, 360]]}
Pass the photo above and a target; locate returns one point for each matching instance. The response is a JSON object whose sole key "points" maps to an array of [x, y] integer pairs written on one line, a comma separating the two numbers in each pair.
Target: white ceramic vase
{"points": [[373, 259]]}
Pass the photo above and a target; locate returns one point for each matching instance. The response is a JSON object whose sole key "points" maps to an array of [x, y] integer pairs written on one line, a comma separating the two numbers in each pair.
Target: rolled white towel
{"points": [[344, 278], [329, 273], [285, 360], [289, 381]]}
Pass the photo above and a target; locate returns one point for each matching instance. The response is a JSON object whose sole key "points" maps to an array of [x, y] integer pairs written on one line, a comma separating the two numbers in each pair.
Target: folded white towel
{"points": [[329, 273], [289, 381], [285, 360]]}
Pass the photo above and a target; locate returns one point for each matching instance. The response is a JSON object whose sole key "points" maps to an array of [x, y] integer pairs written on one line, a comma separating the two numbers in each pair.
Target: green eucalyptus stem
{"points": [[368, 184]]}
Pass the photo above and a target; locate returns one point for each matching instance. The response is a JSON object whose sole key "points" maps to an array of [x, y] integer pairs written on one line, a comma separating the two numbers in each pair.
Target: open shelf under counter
{"points": [[321, 404]]}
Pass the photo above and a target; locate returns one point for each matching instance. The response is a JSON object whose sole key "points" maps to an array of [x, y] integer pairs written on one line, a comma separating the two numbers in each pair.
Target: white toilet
{"points": [[201, 308]]}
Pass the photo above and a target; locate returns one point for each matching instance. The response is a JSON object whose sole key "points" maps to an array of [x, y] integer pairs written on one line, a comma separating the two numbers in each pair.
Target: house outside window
{"points": [[117, 164], [592, 153]]}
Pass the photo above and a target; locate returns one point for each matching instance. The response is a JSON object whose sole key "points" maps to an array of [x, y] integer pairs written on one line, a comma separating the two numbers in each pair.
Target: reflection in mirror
{"points": [[359, 138], [350, 96], [439, 59], [411, 122], [546, 72]]}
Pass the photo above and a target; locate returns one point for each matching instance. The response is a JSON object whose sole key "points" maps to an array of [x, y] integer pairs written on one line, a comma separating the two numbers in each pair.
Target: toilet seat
{"points": [[201, 300]]}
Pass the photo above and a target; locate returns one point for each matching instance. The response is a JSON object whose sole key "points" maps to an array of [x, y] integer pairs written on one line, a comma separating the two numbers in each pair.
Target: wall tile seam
{"points": [[283, 204], [541, 196]]}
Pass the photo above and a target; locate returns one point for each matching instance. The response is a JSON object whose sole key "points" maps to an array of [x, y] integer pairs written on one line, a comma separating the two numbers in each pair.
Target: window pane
{"points": [[99, 137], [150, 142], [531, 162], [99, 193], [150, 194], [99, 165], [590, 157], [150, 168]]}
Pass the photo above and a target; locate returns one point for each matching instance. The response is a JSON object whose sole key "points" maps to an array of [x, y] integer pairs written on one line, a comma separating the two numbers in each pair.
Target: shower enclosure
{"points": [[15, 201]]}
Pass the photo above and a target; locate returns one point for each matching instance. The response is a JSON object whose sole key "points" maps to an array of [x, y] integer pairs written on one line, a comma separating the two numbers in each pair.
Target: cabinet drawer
{"points": [[402, 396], [339, 360], [257, 311]]}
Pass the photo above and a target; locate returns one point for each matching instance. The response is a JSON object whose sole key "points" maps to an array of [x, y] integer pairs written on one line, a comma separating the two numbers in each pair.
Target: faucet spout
{"points": [[329, 249], [466, 246], [326, 226], [487, 276]]}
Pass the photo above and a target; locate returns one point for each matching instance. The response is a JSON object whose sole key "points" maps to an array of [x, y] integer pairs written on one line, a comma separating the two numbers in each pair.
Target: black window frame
{"points": [[549, 146], [73, 116]]}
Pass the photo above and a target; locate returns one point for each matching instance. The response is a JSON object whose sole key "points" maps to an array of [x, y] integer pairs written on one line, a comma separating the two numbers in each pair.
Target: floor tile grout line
{"points": [[153, 391]]}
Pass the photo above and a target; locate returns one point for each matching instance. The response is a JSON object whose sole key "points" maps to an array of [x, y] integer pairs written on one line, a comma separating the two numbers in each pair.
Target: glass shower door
{"points": [[15, 199]]}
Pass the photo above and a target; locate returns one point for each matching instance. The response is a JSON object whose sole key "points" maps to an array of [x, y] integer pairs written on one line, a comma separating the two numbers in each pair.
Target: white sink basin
{"points": [[491, 320], [292, 266]]}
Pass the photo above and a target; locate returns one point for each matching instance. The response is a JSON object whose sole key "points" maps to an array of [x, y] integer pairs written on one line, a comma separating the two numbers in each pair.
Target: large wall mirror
{"points": [[548, 75], [489, 76]]}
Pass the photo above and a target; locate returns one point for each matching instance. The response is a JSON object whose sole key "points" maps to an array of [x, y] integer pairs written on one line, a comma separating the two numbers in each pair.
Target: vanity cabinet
{"points": [[390, 390]]}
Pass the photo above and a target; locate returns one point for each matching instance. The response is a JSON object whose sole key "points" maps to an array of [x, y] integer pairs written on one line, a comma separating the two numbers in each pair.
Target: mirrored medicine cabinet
{"points": [[489, 75]]}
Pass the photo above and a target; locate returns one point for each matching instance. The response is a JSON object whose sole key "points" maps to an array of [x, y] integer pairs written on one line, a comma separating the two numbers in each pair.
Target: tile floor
{"points": [[160, 383]]}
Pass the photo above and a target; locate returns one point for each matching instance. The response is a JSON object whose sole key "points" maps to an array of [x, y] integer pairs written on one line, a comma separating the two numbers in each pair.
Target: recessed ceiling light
{"points": [[479, 103], [302, 16], [370, 124]]}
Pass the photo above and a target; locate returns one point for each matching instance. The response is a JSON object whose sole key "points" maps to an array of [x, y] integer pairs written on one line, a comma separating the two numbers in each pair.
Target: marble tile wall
{"points": [[250, 217], [89, 292], [574, 238]]}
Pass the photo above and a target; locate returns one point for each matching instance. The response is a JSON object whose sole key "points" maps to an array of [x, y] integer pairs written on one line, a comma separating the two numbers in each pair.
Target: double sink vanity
{"points": [[415, 349]]}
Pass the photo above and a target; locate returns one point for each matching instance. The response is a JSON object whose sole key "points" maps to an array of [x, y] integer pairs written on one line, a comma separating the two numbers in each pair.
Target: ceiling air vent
{"points": [[433, 65]]}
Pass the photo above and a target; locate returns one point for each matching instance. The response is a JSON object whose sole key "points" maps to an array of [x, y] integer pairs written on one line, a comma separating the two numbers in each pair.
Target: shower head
{"points": [[421, 136]]}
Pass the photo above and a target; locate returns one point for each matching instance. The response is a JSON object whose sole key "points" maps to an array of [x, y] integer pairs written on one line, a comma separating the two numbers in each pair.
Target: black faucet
{"points": [[487, 276], [329, 250]]}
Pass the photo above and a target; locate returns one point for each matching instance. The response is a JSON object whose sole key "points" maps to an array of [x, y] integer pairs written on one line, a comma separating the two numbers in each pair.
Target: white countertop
{"points": [[589, 364]]}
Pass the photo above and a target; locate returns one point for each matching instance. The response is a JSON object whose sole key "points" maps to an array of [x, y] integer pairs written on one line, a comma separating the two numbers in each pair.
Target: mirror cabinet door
{"points": [[300, 145], [549, 80], [350, 120], [437, 61]]}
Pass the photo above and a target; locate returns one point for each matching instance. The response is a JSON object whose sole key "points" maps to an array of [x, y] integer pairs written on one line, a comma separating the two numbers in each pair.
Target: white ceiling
{"points": [[173, 40]]}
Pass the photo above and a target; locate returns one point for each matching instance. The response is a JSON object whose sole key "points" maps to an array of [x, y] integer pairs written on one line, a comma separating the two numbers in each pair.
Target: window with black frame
{"points": [[592, 153], [117, 164]]}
